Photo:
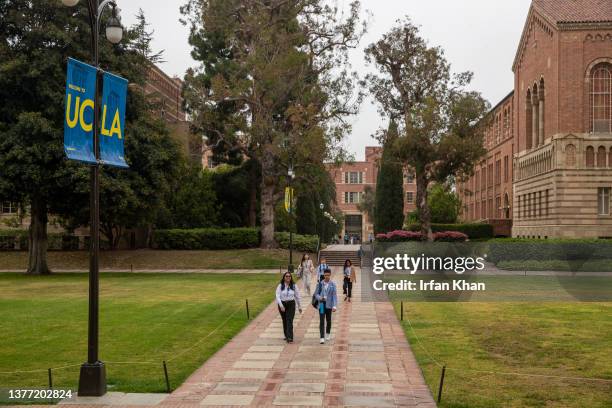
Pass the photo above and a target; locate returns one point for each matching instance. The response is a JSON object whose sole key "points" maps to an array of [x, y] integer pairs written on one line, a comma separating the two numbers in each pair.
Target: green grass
{"points": [[557, 339], [143, 318], [157, 259]]}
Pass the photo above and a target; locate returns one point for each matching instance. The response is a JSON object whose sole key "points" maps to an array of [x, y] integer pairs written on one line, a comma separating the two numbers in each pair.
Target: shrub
{"points": [[206, 238], [10, 240], [473, 231], [400, 236], [450, 236], [513, 249], [62, 242], [303, 243]]}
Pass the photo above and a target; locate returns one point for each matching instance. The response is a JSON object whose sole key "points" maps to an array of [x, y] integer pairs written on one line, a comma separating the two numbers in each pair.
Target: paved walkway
{"points": [[368, 363], [220, 271]]}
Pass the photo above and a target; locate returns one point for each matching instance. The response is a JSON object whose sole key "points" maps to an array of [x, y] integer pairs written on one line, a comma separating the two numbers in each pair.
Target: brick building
{"points": [[351, 180], [561, 124]]}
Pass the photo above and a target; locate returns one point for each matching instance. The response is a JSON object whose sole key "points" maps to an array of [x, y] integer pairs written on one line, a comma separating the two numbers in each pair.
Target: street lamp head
{"points": [[321, 206], [70, 3], [114, 29]]}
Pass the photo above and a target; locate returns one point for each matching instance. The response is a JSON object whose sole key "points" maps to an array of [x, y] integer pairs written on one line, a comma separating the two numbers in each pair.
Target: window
{"points": [[490, 175], [483, 179], [590, 156], [210, 163], [528, 120], [498, 206], [352, 197], [601, 156], [353, 177], [506, 169], [410, 197], [498, 177], [570, 155], [7, 207], [603, 201], [410, 178], [601, 98]]}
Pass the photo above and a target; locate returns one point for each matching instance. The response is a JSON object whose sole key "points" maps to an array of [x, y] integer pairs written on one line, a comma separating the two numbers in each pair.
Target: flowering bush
{"points": [[450, 236], [400, 236]]}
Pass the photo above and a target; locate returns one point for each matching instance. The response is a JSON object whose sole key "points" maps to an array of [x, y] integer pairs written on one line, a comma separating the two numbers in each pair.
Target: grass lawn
{"points": [[595, 265], [143, 318], [156, 259], [558, 339]]}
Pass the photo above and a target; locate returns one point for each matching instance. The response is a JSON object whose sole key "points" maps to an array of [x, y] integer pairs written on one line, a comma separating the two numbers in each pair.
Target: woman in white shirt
{"points": [[287, 296], [305, 271]]}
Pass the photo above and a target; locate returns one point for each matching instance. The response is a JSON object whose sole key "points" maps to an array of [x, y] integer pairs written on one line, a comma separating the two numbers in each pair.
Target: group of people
{"points": [[325, 297]]}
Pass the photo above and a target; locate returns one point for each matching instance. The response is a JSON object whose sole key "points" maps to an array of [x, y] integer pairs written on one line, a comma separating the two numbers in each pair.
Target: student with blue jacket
{"points": [[327, 295]]}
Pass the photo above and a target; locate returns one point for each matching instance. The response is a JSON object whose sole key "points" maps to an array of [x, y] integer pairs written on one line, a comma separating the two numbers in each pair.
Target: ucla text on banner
{"points": [[78, 121], [112, 130]]}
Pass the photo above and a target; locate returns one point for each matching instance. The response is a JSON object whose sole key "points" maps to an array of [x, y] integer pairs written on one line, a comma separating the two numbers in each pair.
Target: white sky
{"points": [[477, 35]]}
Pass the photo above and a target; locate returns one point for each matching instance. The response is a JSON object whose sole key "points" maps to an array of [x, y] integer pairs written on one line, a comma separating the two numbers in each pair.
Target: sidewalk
{"points": [[368, 363], [222, 271]]}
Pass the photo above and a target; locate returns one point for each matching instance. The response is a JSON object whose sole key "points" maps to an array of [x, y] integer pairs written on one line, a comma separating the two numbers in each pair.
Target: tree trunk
{"points": [[421, 201], [37, 239], [268, 187]]}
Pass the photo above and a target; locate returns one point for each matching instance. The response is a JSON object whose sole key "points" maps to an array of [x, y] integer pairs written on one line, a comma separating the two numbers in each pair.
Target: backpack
{"points": [[315, 301]]}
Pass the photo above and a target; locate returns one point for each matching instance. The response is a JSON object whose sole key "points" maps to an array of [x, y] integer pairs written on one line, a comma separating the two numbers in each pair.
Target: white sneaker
{"points": [[322, 340], [328, 337]]}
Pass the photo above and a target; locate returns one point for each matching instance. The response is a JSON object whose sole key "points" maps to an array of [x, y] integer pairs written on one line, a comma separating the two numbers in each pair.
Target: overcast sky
{"points": [[477, 35]]}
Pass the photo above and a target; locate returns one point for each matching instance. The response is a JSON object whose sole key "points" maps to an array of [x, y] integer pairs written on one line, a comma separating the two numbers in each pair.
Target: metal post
{"points": [[167, 379], [441, 384], [402, 310], [247, 310], [290, 224], [50, 379], [92, 380]]}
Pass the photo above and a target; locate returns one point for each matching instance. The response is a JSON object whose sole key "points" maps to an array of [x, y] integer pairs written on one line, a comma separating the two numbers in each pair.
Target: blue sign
{"points": [[78, 121], [112, 129]]}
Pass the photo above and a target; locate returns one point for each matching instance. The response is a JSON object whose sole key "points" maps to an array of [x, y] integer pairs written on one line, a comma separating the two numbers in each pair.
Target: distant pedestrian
{"points": [[346, 238], [287, 297], [370, 237], [327, 296], [350, 277], [321, 269], [305, 271]]}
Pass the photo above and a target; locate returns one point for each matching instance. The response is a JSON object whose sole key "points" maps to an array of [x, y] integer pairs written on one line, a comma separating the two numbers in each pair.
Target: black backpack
{"points": [[315, 301]]}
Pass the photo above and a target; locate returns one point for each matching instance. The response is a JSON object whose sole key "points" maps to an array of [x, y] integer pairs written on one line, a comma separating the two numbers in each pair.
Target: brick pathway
{"points": [[368, 363]]}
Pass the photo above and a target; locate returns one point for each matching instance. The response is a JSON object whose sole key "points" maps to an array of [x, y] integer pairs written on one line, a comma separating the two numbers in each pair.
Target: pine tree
{"points": [[389, 214]]}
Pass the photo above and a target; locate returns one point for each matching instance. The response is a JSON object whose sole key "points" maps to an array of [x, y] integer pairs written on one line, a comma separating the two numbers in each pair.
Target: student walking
{"points": [[321, 269], [327, 297], [287, 297], [305, 271], [350, 277]]}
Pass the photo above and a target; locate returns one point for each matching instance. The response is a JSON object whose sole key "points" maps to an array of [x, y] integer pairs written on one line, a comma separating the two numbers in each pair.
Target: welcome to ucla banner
{"points": [[112, 128], [78, 122]]}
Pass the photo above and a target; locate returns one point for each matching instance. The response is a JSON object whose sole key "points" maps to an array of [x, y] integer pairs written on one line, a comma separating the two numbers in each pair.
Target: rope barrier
{"points": [[40, 370]]}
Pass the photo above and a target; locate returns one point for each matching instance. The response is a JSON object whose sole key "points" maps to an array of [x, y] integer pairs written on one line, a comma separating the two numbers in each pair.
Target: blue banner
{"points": [[78, 121], [112, 129]]}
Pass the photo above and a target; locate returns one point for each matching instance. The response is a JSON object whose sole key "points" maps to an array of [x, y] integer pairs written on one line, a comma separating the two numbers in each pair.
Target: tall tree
{"points": [[439, 120], [277, 88], [389, 200]]}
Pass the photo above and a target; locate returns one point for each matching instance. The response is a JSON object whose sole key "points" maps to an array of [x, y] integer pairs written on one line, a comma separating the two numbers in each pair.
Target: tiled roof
{"points": [[575, 11]]}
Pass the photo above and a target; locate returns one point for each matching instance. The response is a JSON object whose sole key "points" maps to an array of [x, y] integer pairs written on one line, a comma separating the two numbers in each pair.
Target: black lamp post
{"points": [[290, 176], [92, 379]]}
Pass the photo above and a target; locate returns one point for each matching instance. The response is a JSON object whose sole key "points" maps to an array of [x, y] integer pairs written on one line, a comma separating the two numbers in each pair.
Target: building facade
{"points": [[351, 180], [562, 123]]}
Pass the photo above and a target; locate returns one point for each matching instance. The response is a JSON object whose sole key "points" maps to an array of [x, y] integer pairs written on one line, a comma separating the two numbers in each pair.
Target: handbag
{"points": [[315, 301], [300, 272]]}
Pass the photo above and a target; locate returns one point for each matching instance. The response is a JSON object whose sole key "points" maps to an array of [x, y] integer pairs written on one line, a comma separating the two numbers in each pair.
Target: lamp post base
{"points": [[92, 380]]}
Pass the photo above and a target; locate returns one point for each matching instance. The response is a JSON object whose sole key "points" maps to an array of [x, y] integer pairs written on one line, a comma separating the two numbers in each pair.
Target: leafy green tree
{"points": [[438, 118], [277, 72], [367, 203], [389, 200], [36, 39]]}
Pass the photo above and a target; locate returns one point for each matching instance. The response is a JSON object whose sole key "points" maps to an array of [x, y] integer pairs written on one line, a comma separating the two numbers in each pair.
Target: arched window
{"points": [[590, 156], [570, 155], [535, 116], [610, 158], [601, 156], [528, 120], [601, 98], [541, 112]]}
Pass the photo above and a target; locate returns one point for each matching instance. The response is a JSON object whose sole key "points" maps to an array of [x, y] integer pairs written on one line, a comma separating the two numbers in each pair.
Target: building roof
{"points": [[575, 11]]}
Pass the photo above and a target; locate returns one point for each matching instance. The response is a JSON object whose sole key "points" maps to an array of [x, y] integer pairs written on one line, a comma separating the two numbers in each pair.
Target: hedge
{"points": [[473, 231], [303, 243], [512, 249], [206, 238], [10, 240]]}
